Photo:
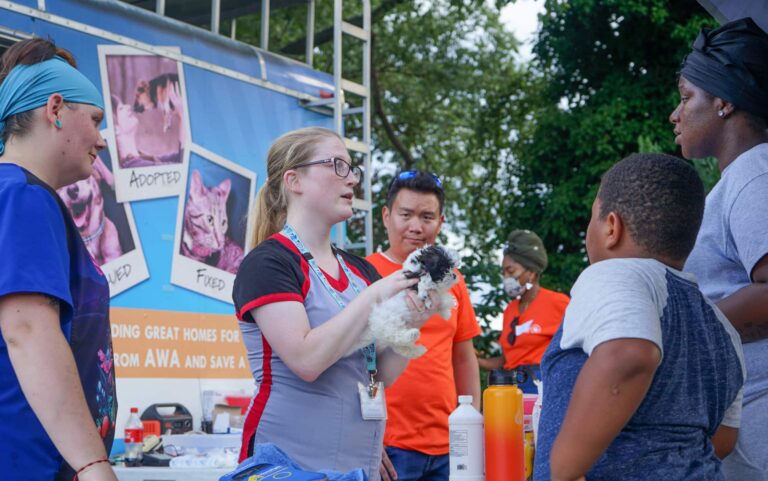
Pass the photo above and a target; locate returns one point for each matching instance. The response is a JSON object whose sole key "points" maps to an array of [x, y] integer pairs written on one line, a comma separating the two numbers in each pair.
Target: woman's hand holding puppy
{"points": [[389, 286], [419, 310]]}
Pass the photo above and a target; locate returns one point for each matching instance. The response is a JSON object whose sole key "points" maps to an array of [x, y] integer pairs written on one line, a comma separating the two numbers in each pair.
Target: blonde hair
{"points": [[290, 149]]}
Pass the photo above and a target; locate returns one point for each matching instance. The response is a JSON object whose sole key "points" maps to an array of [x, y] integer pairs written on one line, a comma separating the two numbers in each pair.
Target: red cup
{"points": [[528, 401]]}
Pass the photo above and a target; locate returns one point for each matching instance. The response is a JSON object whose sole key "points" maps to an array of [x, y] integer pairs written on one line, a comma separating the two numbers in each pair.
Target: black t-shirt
{"points": [[275, 271]]}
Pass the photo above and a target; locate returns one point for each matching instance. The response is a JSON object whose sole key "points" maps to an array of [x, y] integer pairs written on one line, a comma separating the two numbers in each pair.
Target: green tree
{"points": [[601, 86], [605, 77]]}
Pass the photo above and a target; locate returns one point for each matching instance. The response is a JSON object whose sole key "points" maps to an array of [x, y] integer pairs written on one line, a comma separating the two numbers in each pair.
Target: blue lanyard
{"points": [[370, 350]]}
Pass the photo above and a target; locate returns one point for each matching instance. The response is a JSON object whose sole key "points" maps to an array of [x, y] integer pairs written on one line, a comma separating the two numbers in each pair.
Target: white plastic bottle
{"points": [[467, 456], [537, 409], [134, 439]]}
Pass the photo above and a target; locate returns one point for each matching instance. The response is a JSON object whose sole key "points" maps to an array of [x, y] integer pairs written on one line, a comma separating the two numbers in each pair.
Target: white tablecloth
{"points": [[170, 474]]}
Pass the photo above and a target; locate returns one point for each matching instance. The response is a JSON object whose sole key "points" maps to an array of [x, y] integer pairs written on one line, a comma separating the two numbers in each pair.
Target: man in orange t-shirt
{"points": [[422, 398]]}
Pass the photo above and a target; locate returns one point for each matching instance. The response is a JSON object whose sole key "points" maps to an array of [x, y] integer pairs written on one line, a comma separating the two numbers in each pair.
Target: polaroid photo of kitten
{"points": [[146, 107], [106, 226], [211, 225]]}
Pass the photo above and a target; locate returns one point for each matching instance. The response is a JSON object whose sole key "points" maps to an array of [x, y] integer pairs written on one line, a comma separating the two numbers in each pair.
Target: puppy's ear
{"points": [[451, 254]]}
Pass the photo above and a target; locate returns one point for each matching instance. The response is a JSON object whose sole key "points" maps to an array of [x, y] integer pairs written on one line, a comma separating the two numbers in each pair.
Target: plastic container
{"points": [[465, 426], [240, 401], [536, 412], [504, 434], [529, 400], [529, 453], [134, 439], [201, 443]]}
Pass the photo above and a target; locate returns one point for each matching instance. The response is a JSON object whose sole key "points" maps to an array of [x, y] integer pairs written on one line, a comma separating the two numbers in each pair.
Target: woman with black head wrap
{"points": [[723, 113]]}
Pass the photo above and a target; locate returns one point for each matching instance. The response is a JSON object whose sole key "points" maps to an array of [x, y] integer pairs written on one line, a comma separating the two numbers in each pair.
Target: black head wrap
{"points": [[731, 62]]}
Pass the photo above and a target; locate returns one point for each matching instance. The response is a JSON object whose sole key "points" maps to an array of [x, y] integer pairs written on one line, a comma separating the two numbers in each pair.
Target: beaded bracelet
{"points": [[105, 460]]}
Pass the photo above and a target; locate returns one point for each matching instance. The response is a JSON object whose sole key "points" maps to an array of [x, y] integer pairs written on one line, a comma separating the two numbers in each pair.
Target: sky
{"points": [[521, 18]]}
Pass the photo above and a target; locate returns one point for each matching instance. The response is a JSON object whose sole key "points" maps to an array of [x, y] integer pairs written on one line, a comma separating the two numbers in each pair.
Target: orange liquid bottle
{"points": [[503, 419]]}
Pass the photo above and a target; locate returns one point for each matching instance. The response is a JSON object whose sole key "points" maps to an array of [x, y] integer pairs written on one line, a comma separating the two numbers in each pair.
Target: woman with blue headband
{"points": [[57, 382], [723, 113]]}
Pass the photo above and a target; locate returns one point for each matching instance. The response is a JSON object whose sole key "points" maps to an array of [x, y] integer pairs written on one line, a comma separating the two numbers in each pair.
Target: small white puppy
{"points": [[390, 322]]}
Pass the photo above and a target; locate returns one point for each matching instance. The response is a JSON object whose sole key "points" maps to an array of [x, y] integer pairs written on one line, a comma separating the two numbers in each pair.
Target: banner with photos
{"points": [[146, 108], [211, 225]]}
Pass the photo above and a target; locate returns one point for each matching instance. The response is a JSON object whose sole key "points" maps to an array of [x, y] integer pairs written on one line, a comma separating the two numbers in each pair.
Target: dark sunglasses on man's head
{"points": [[341, 166], [410, 174], [512, 336]]}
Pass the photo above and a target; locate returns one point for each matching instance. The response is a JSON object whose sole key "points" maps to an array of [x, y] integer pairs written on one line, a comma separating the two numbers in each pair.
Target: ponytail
{"points": [[268, 212]]}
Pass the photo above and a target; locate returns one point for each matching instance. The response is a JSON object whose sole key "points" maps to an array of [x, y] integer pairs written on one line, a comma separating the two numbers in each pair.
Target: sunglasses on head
{"points": [[410, 174]]}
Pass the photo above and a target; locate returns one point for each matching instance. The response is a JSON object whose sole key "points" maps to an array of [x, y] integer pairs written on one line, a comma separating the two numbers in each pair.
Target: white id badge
{"points": [[374, 408]]}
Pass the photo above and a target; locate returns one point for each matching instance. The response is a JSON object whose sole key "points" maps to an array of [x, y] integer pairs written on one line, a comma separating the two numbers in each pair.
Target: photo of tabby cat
{"points": [[205, 229]]}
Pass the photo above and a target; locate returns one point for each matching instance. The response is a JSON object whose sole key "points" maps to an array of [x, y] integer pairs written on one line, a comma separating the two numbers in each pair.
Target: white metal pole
{"points": [[310, 31], [160, 7], [367, 125], [337, 73], [265, 24], [338, 98], [215, 15]]}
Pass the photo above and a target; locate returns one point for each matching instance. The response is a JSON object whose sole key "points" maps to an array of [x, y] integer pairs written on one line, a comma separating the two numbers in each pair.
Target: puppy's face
{"points": [[436, 261], [143, 100]]}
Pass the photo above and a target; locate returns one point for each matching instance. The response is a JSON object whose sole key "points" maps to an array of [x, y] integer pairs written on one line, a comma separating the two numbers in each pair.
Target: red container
{"points": [[239, 401], [528, 401], [151, 427]]}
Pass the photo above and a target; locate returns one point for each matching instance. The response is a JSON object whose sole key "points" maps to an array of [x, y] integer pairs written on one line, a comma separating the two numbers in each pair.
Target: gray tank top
{"points": [[318, 424]]}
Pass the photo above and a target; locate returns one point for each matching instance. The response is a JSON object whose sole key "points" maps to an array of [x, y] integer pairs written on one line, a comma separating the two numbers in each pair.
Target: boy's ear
{"points": [[614, 226]]}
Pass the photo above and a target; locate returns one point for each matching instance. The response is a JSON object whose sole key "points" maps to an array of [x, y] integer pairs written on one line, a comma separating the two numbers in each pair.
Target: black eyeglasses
{"points": [[341, 166], [410, 174], [512, 337]]}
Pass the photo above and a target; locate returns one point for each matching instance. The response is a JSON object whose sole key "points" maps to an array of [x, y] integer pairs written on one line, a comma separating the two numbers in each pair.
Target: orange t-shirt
{"points": [[535, 328], [422, 398]]}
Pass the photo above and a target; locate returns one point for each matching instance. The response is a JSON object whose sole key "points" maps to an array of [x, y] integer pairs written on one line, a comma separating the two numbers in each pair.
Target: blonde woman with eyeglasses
{"points": [[302, 304]]}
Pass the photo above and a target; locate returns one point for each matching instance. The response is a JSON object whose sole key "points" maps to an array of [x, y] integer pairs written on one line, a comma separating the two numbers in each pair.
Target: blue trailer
{"points": [[188, 111]]}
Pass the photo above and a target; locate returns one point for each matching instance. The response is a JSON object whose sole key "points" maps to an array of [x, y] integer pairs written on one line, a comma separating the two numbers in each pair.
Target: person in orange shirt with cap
{"points": [[534, 314], [422, 398]]}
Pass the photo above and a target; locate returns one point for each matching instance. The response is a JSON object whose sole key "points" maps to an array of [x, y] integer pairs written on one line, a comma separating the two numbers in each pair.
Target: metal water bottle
{"points": [[503, 415]]}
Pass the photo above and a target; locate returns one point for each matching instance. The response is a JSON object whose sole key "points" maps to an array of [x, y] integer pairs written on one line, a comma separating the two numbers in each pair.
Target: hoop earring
{"points": [[57, 123]]}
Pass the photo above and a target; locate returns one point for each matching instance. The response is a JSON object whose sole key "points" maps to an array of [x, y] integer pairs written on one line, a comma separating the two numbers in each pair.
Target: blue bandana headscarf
{"points": [[28, 87]]}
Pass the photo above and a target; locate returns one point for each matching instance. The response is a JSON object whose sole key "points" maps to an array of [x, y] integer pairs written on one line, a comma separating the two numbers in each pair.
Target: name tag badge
{"points": [[372, 403]]}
